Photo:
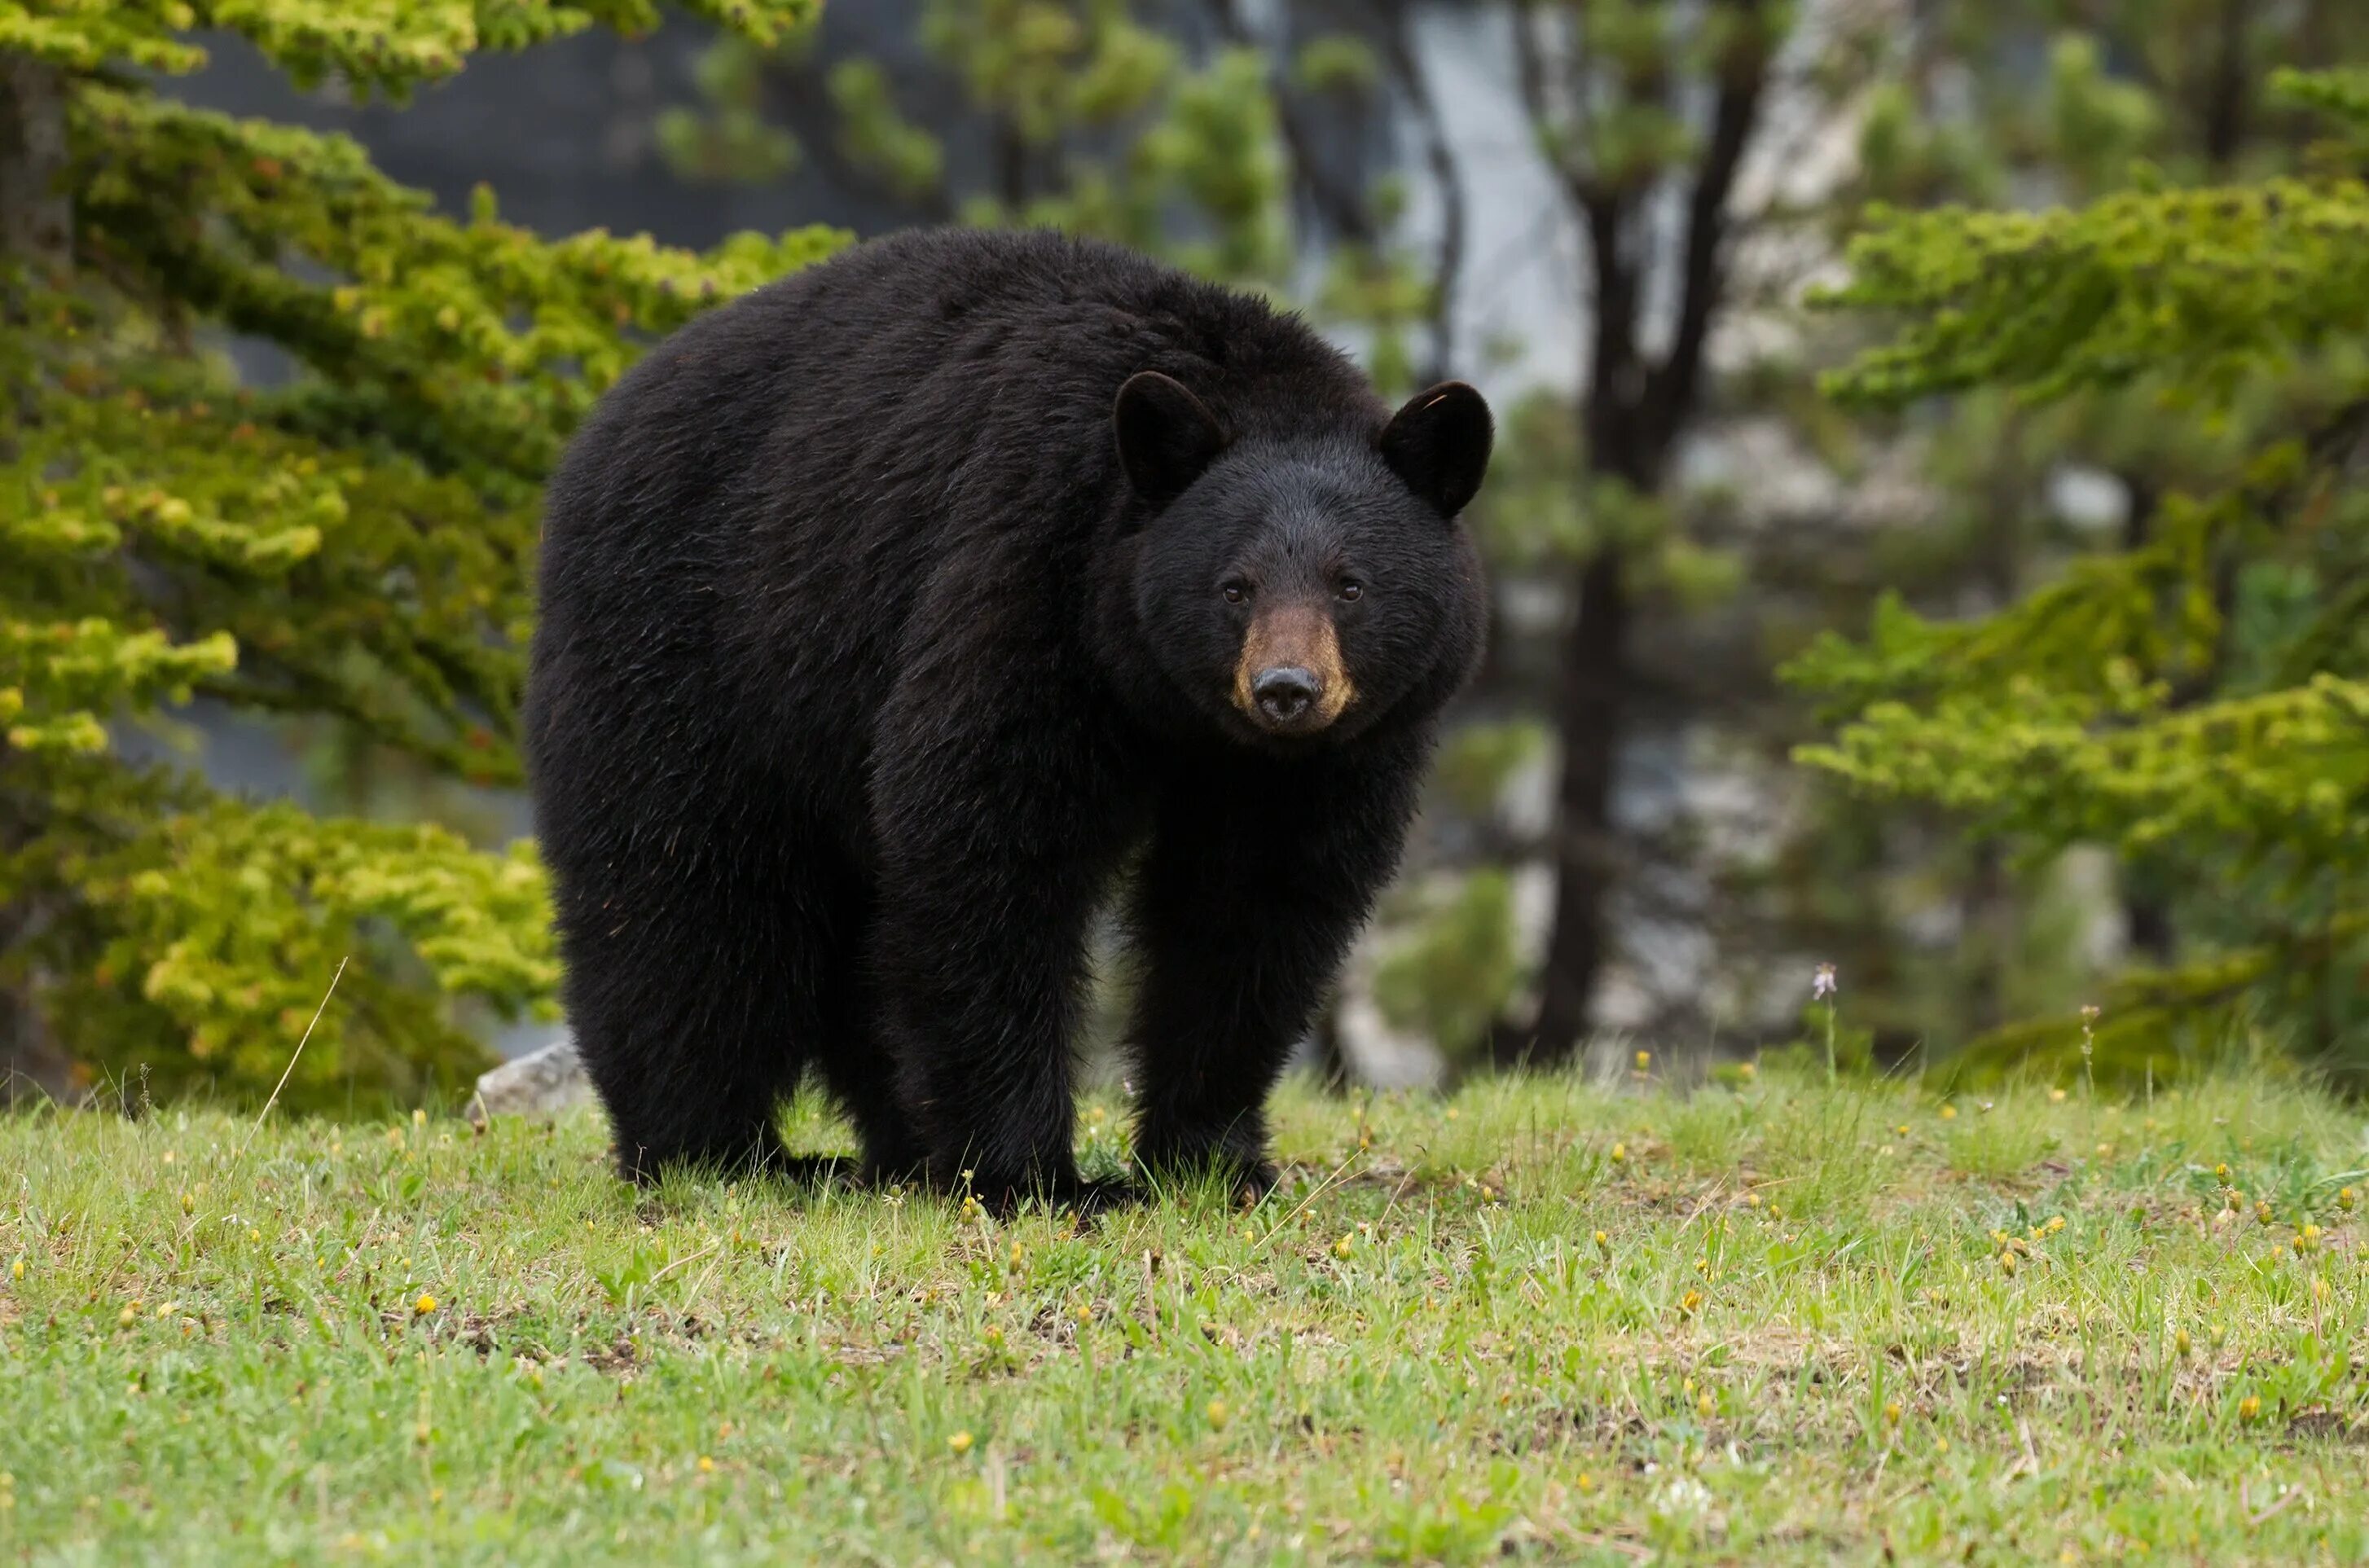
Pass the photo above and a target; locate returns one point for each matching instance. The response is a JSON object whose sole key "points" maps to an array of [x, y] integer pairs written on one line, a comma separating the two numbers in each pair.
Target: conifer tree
{"points": [[2198, 698], [352, 546]]}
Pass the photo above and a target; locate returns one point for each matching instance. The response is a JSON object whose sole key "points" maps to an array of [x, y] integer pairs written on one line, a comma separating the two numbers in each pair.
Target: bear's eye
{"points": [[1237, 591], [1352, 591]]}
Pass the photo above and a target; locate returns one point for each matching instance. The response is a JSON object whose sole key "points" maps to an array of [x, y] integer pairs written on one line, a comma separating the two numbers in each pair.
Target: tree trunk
{"points": [[1637, 407], [31, 1065], [2146, 909], [1985, 924], [36, 231], [1588, 717], [2225, 105], [36, 208], [1011, 166]]}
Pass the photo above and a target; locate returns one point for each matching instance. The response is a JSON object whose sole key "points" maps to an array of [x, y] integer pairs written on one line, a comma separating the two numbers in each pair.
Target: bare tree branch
{"points": [[1448, 266], [1530, 74], [1340, 206], [1744, 75]]}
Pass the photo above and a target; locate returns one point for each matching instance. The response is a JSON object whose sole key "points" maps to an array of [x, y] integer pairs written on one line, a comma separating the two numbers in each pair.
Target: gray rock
{"points": [[540, 1083]]}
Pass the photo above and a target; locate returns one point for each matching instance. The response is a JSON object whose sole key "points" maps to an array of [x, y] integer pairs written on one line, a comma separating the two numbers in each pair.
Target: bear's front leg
{"points": [[1259, 874], [994, 840], [979, 988]]}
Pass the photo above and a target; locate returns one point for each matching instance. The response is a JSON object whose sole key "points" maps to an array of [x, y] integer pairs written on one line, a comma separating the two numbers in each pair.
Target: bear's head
{"points": [[1298, 589]]}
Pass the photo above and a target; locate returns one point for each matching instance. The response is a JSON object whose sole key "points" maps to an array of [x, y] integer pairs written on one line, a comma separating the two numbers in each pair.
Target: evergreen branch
{"points": [[2341, 95], [489, 335], [2200, 287], [2143, 1004], [217, 918], [2151, 612], [388, 46], [356, 548], [2285, 773]]}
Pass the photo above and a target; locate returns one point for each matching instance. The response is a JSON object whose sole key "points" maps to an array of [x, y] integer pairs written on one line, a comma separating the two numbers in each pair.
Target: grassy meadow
{"points": [[1772, 1322]]}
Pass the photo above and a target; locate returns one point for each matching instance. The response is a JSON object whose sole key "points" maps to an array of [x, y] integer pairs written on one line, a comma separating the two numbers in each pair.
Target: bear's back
{"points": [[934, 359], [737, 536]]}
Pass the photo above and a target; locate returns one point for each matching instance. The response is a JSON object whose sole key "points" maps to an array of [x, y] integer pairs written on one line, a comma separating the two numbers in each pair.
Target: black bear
{"points": [[894, 614]]}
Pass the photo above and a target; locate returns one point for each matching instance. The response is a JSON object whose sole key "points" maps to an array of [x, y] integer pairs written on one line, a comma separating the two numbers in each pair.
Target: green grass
{"points": [[1543, 1320]]}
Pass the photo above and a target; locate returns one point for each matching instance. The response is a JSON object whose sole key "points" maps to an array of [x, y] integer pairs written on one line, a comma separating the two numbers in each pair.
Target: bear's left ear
{"points": [[1439, 444], [1166, 436]]}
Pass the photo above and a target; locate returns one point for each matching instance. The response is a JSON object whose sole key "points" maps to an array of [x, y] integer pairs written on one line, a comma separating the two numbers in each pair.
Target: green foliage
{"points": [[354, 548], [1046, 66], [1456, 972], [2099, 124], [2195, 289], [2198, 700], [1057, 79], [1386, 291], [1336, 63], [877, 137], [1091, 120], [1480, 760], [230, 916], [1852, 1044], [391, 45], [1216, 148], [731, 141], [2342, 96], [1544, 506]]}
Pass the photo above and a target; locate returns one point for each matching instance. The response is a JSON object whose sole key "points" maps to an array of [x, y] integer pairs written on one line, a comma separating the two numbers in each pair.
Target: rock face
{"points": [[540, 1083]]}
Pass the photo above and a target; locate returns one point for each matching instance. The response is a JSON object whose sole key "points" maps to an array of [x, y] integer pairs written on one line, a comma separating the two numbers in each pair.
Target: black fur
{"points": [[864, 667]]}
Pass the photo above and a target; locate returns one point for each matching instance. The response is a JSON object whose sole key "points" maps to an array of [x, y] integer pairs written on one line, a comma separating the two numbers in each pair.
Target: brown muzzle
{"points": [[1291, 680]]}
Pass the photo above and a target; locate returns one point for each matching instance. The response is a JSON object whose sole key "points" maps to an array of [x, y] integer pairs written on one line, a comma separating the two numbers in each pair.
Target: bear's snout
{"points": [[1291, 680], [1285, 694]]}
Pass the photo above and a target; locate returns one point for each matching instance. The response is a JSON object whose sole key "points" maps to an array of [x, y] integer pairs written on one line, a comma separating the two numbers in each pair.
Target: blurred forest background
{"points": [[1927, 531]]}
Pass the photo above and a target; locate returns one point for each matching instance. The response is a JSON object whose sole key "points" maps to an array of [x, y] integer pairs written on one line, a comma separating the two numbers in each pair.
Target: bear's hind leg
{"points": [[860, 1078], [686, 1019], [846, 1045]]}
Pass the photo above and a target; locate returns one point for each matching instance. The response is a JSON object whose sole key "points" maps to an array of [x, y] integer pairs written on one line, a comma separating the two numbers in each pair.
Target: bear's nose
{"points": [[1285, 693]]}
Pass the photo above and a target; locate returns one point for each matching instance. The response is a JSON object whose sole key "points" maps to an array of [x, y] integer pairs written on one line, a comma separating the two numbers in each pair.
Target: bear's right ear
{"points": [[1166, 436]]}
